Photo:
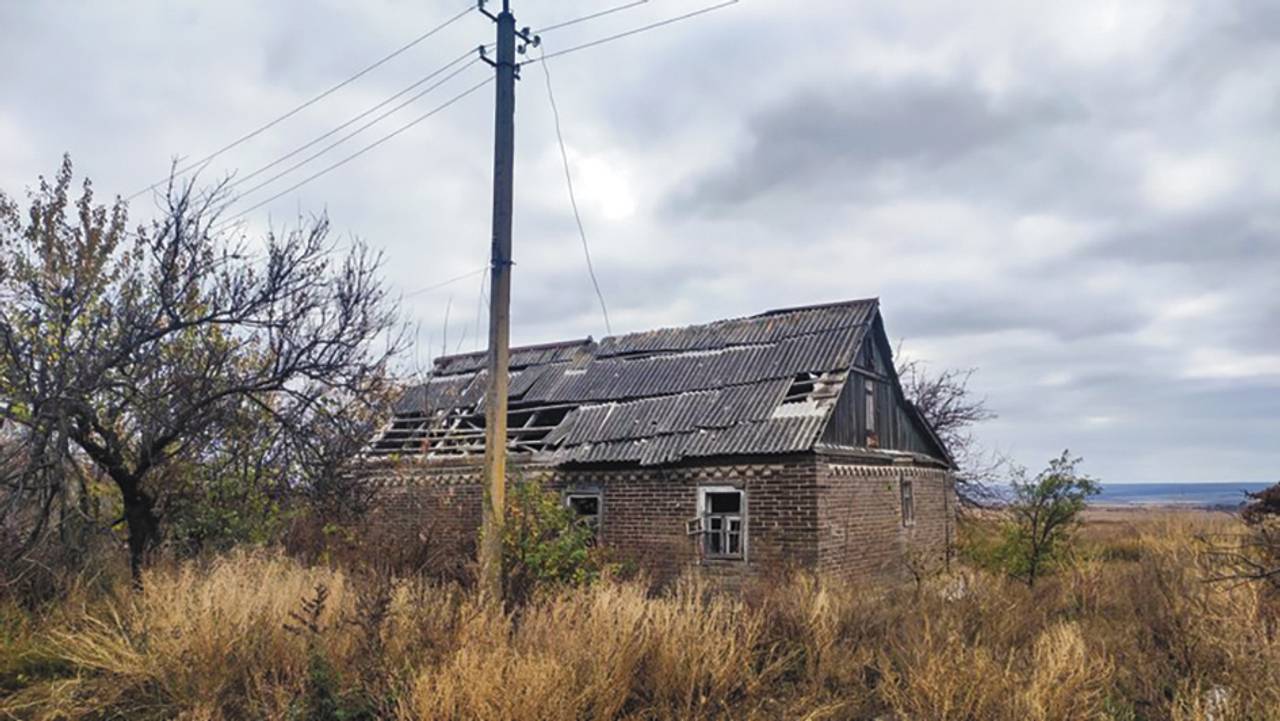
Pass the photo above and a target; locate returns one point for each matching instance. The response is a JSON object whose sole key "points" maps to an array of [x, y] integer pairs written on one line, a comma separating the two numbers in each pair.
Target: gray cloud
{"points": [[1059, 317], [1077, 198], [1222, 237], [822, 137]]}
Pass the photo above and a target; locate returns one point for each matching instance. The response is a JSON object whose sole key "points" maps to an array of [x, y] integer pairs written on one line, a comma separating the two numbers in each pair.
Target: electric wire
{"points": [[443, 283], [481, 300], [550, 94], [549, 28], [573, 198], [361, 116], [344, 138], [629, 33], [592, 16], [263, 128], [361, 151], [444, 340]]}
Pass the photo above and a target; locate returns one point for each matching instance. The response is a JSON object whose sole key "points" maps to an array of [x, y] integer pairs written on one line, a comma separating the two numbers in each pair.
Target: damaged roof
{"points": [[756, 385]]}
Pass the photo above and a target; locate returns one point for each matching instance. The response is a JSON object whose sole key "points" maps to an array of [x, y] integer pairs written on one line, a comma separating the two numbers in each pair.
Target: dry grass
{"points": [[1127, 630]]}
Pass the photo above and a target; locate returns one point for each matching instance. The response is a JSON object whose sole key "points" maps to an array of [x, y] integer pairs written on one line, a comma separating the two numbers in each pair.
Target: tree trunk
{"points": [[144, 529]]}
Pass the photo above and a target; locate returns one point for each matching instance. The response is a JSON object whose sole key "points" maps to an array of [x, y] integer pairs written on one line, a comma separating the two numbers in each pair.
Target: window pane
{"points": [[724, 502], [585, 505], [722, 522]]}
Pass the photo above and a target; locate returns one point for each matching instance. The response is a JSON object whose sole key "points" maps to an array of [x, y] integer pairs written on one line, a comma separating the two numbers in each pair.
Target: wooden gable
{"points": [[872, 411]]}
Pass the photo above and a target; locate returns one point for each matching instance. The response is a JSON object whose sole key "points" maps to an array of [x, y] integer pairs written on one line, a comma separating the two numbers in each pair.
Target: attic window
{"points": [[871, 414]]}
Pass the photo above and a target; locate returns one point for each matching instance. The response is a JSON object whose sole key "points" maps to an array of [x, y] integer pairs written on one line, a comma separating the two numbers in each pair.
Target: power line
{"points": [[261, 129], [481, 299], [573, 199], [592, 16], [584, 18], [629, 33], [444, 283], [348, 136], [363, 150], [299, 149]]}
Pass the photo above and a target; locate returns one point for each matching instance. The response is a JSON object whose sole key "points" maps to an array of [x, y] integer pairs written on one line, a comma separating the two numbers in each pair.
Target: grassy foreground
{"points": [[1126, 630]]}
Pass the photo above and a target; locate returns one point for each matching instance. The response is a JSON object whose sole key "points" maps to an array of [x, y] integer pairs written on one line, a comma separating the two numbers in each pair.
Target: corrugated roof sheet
{"points": [[660, 396], [521, 356]]}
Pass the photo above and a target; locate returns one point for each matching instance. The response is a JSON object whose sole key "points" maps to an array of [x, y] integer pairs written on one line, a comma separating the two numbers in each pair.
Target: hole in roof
{"points": [[460, 431], [810, 393]]}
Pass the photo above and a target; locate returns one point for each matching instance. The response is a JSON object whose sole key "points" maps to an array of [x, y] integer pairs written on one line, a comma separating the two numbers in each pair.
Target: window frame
{"points": [[907, 501], [871, 411], [705, 517], [568, 496]]}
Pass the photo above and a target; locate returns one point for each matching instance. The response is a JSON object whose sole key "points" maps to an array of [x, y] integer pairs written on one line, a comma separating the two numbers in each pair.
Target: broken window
{"points": [[721, 522], [908, 501], [586, 505]]}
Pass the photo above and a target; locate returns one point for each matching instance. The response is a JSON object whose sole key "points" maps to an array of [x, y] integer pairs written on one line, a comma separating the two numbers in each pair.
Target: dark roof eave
{"points": [[538, 460], [880, 455]]}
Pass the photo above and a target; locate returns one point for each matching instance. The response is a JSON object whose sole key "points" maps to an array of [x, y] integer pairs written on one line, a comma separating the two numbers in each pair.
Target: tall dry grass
{"points": [[1128, 629]]}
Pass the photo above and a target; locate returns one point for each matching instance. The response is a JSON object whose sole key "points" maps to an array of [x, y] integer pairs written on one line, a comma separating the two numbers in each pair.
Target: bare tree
{"points": [[133, 350], [951, 408], [1253, 555], [1263, 506]]}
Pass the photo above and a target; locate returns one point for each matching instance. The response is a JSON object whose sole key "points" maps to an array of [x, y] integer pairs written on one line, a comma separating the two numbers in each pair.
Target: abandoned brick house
{"points": [[781, 440]]}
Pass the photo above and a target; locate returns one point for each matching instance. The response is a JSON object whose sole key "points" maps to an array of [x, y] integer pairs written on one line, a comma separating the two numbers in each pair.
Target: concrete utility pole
{"points": [[495, 401]]}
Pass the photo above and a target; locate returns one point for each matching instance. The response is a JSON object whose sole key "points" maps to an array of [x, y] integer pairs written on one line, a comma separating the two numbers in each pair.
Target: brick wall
{"points": [[802, 512], [645, 513], [643, 510], [862, 529], [442, 511]]}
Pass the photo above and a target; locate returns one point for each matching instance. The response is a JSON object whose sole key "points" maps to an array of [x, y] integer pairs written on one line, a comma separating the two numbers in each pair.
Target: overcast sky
{"points": [[1079, 199]]}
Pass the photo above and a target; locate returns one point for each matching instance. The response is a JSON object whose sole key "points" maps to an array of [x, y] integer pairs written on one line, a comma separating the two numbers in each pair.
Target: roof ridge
{"points": [[737, 319], [875, 299], [516, 348], [589, 340]]}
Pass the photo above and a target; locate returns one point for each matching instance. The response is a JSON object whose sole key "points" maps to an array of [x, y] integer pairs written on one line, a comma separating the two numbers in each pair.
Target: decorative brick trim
{"points": [[863, 471], [415, 477], [418, 474], [412, 474]]}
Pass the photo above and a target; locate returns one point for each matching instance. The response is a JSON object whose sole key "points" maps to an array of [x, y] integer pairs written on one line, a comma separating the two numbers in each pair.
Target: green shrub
{"points": [[544, 544], [1043, 515], [216, 513]]}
